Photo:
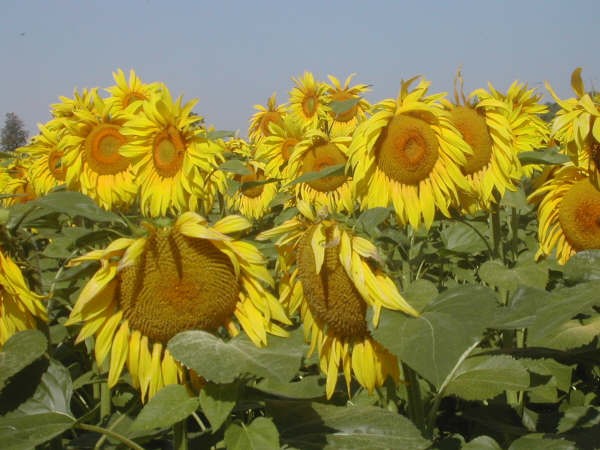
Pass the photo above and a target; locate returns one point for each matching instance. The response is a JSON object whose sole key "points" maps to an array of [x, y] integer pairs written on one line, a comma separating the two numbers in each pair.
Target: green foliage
{"points": [[14, 134]]}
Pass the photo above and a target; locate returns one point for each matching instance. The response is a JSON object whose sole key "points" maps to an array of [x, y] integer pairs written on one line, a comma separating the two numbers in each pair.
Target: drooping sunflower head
{"points": [[568, 213], [67, 106], [332, 277], [187, 276], [493, 166], [348, 107], [15, 182], [20, 308], [47, 170], [90, 154], [265, 116], [576, 125], [128, 94], [309, 99], [408, 154], [276, 149], [174, 159], [315, 153]]}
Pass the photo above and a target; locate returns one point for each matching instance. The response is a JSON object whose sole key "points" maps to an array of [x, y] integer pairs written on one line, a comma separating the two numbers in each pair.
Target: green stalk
{"points": [[496, 230], [105, 400], [416, 411], [514, 227], [179, 436], [110, 433]]}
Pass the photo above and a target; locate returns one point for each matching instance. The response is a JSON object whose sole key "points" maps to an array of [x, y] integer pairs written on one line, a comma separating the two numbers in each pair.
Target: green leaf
{"points": [[433, 343], [482, 378], [260, 434], [235, 166], [25, 432], [583, 266], [522, 308], [339, 107], [217, 401], [420, 293], [547, 156], [462, 238], [219, 134], [223, 362], [75, 204], [579, 417], [538, 441], [53, 394], [170, 405], [482, 443], [574, 333], [552, 317], [309, 426], [306, 388], [20, 350], [554, 376], [528, 273], [370, 219], [331, 171]]}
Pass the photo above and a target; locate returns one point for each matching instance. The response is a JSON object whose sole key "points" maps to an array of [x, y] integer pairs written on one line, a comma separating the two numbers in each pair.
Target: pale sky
{"points": [[232, 55]]}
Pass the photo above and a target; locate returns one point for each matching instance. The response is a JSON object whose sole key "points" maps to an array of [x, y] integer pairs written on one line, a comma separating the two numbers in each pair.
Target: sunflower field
{"points": [[417, 273]]}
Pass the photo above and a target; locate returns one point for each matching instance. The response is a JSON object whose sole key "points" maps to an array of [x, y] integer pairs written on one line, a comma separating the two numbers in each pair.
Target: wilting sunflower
{"points": [[262, 119], [331, 277], [568, 213], [188, 276], [15, 182], [91, 156], [576, 126], [47, 170], [351, 102], [126, 93], [308, 100], [493, 167], [408, 154], [315, 153], [253, 197], [276, 149], [173, 157], [20, 308]]}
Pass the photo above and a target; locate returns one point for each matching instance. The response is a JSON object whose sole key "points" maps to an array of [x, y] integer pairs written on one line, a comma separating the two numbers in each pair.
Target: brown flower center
{"points": [[332, 298], [349, 113], [320, 157], [407, 149], [168, 151], [310, 104], [579, 216], [55, 166], [179, 283], [475, 132], [102, 149], [256, 175], [266, 119]]}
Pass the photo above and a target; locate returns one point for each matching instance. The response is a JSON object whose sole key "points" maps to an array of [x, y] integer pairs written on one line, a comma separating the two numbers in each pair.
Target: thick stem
{"points": [[496, 230], [180, 441], [416, 411], [514, 227], [128, 442]]}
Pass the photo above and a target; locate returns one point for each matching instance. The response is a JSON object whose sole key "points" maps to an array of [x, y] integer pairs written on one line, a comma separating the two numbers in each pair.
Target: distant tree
{"points": [[14, 134]]}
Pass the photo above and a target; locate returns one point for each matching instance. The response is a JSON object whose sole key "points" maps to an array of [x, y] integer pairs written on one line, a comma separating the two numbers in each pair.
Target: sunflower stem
{"points": [[514, 227], [416, 410], [179, 436], [496, 230], [105, 401], [110, 433]]}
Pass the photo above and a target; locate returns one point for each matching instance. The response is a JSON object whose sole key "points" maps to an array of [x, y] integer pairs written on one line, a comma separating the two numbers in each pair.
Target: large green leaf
{"points": [[548, 376], [461, 237], [25, 432], [522, 308], [223, 362], [484, 377], [20, 350], [307, 425], [235, 166], [260, 434], [307, 387], [526, 273], [217, 401], [170, 405], [433, 343], [482, 443], [538, 441], [583, 266], [546, 156], [330, 171]]}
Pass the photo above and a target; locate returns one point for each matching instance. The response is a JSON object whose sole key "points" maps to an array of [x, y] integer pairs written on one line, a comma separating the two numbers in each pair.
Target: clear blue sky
{"points": [[233, 55]]}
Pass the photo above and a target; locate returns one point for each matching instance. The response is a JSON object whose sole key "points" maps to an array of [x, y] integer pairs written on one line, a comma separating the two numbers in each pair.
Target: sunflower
{"points": [[15, 182], [493, 167], [315, 153], [409, 154], [351, 101], [174, 160], [20, 308], [529, 131], [91, 156], [576, 126], [568, 213], [47, 170], [330, 276], [126, 93], [67, 106], [253, 197], [187, 276], [276, 149], [262, 119], [308, 100]]}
